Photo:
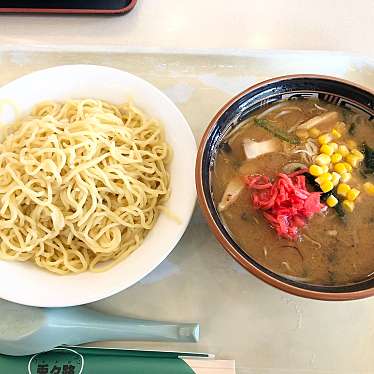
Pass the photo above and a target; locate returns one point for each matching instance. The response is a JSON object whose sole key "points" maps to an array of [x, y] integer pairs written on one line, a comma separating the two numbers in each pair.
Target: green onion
{"points": [[277, 132]]}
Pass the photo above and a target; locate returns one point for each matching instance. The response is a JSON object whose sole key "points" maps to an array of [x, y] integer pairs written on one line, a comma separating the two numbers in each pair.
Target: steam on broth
{"points": [[294, 185]]}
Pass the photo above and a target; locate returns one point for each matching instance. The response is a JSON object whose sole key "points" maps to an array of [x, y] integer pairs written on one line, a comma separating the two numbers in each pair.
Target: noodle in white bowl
{"points": [[154, 231], [81, 184]]}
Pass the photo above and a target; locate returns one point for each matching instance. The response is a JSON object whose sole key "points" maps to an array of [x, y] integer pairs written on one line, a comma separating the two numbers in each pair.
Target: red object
{"points": [[286, 203], [62, 10]]}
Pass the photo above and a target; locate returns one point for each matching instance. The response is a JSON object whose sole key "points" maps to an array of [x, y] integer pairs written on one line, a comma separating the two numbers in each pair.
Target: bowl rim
{"points": [[267, 278], [115, 86]]}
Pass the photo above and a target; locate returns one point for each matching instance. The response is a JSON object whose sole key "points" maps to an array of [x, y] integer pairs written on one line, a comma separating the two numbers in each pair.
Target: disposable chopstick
{"points": [[208, 366]]}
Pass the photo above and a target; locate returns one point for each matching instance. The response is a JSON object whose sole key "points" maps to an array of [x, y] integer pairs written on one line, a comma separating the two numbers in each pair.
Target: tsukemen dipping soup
{"points": [[294, 186]]}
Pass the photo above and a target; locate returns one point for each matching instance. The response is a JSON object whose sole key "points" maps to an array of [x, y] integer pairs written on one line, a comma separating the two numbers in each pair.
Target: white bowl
{"points": [[27, 284]]}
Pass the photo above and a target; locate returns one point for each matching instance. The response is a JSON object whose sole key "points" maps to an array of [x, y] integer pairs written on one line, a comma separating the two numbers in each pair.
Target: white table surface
{"points": [[250, 24]]}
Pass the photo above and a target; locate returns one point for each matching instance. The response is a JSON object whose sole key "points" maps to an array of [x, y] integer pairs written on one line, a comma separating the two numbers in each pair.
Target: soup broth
{"points": [[329, 242]]}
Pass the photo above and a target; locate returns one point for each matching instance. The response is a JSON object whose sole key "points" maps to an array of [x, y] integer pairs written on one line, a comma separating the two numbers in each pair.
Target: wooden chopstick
{"points": [[209, 366]]}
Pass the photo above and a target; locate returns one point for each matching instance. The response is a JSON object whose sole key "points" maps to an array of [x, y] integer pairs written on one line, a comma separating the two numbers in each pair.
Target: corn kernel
{"points": [[331, 201], [325, 169], [349, 205], [303, 134], [326, 149], [323, 178], [315, 170], [336, 157], [369, 188], [348, 166], [335, 178], [325, 138], [342, 189], [340, 168], [336, 134], [340, 126], [351, 144], [353, 160], [323, 159], [314, 132], [357, 153], [352, 194], [334, 146], [345, 177], [327, 186], [343, 150]]}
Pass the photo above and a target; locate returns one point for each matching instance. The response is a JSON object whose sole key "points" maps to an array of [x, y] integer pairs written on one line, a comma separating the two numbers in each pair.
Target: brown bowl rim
{"points": [[311, 294]]}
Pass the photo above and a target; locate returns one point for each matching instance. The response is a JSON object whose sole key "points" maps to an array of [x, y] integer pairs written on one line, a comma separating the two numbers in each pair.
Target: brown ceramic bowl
{"points": [[329, 89]]}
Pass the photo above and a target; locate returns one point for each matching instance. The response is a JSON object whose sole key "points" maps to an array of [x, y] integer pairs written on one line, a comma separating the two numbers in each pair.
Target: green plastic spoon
{"points": [[27, 330]]}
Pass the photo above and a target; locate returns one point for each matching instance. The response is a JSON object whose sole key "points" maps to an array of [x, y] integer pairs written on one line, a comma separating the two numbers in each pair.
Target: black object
{"points": [[67, 6]]}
